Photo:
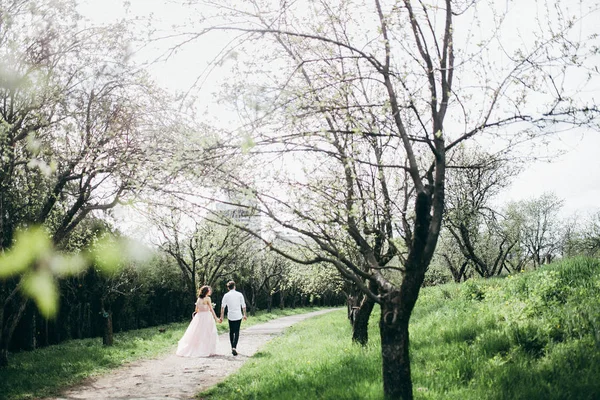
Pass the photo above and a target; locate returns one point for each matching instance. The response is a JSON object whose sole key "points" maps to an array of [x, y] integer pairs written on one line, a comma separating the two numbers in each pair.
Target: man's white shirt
{"points": [[234, 301]]}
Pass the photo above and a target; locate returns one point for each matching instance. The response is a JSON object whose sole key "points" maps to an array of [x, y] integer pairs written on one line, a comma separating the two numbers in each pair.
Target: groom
{"points": [[236, 311]]}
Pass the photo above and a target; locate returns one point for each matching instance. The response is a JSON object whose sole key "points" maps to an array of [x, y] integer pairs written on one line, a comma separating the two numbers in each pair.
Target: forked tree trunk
{"points": [[393, 326], [396, 309], [269, 303], [352, 304], [360, 321]]}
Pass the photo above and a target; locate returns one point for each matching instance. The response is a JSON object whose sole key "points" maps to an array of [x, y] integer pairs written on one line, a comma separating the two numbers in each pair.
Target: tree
{"points": [[541, 229], [72, 130], [591, 236], [449, 256], [264, 274], [385, 106], [582, 238], [474, 179], [206, 254]]}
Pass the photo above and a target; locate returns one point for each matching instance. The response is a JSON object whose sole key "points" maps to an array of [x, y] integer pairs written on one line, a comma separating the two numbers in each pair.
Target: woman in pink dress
{"points": [[200, 338]]}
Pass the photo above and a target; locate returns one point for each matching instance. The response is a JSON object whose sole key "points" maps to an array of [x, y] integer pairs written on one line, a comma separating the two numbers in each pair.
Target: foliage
{"points": [[582, 240], [534, 336], [474, 237], [437, 275], [34, 257], [206, 252], [540, 228], [75, 129], [472, 291], [521, 235], [313, 280]]}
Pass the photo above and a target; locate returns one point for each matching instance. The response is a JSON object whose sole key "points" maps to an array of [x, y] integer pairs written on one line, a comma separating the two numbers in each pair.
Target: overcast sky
{"points": [[574, 176]]}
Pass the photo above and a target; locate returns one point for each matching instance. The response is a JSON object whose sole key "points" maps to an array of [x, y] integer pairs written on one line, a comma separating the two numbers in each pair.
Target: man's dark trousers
{"points": [[234, 332]]}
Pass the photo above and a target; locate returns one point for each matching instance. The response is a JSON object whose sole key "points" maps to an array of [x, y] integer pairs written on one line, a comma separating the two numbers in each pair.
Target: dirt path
{"points": [[181, 378]]}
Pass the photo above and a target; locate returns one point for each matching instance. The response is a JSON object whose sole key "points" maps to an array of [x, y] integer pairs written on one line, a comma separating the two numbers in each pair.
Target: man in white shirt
{"points": [[236, 311]]}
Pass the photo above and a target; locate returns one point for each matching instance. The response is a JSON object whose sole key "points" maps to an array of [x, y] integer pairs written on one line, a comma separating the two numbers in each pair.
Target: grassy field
{"points": [[42, 372], [531, 336]]}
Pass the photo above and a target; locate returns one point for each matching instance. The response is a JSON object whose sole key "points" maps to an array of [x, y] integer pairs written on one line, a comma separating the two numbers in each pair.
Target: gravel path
{"points": [[175, 377]]}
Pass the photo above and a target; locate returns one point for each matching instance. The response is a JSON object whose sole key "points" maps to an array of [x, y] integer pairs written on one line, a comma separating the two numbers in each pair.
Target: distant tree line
{"points": [[156, 291], [480, 239]]}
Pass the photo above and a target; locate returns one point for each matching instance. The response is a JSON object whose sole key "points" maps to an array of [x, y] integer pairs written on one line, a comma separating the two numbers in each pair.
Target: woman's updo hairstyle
{"points": [[203, 291]]}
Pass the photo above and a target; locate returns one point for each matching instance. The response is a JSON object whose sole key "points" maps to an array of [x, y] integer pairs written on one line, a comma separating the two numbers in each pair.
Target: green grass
{"points": [[313, 360], [531, 336], [45, 371]]}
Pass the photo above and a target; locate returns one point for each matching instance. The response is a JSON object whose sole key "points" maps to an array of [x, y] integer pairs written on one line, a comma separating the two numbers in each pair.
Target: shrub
{"points": [[473, 291]]}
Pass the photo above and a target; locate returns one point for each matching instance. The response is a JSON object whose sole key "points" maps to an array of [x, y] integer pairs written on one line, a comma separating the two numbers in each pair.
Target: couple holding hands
{"points": [[201, 338]]}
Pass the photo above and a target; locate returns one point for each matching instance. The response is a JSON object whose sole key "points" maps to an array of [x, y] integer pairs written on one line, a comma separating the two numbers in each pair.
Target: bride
{"points": [[200, 338]]}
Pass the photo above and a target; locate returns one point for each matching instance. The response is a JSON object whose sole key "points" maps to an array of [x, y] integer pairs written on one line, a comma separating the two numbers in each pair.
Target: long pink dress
{"points": [[200, 338]]}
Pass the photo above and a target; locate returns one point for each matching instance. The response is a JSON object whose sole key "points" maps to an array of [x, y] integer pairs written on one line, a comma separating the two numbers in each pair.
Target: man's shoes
{"points": [[234, 352]]}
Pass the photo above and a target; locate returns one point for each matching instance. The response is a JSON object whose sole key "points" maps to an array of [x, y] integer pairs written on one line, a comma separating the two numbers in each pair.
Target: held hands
{"points": [[245, 318]]}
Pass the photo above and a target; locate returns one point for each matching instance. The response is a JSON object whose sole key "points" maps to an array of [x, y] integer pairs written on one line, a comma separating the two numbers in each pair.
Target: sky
{"points": [[573, 176]]}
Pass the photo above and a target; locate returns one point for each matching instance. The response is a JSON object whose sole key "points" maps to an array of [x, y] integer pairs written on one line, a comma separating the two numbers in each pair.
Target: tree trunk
{"points": [[46, 337], [107, 334], [194, 286], [87, 318], [360, 321], [107, 339], [32, 329], [7, 328], [352, 302], [253, 301], [281, 300], [3, 357], [79, 321], [393, 326], [269, 303], [459, 274]]}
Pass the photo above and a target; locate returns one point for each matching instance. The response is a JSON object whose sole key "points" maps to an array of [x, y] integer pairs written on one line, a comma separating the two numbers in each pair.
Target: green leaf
{"points": [[11, 265], [106, 253], [30, 245], [41, 287], [65, 265], [247, 144]]}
